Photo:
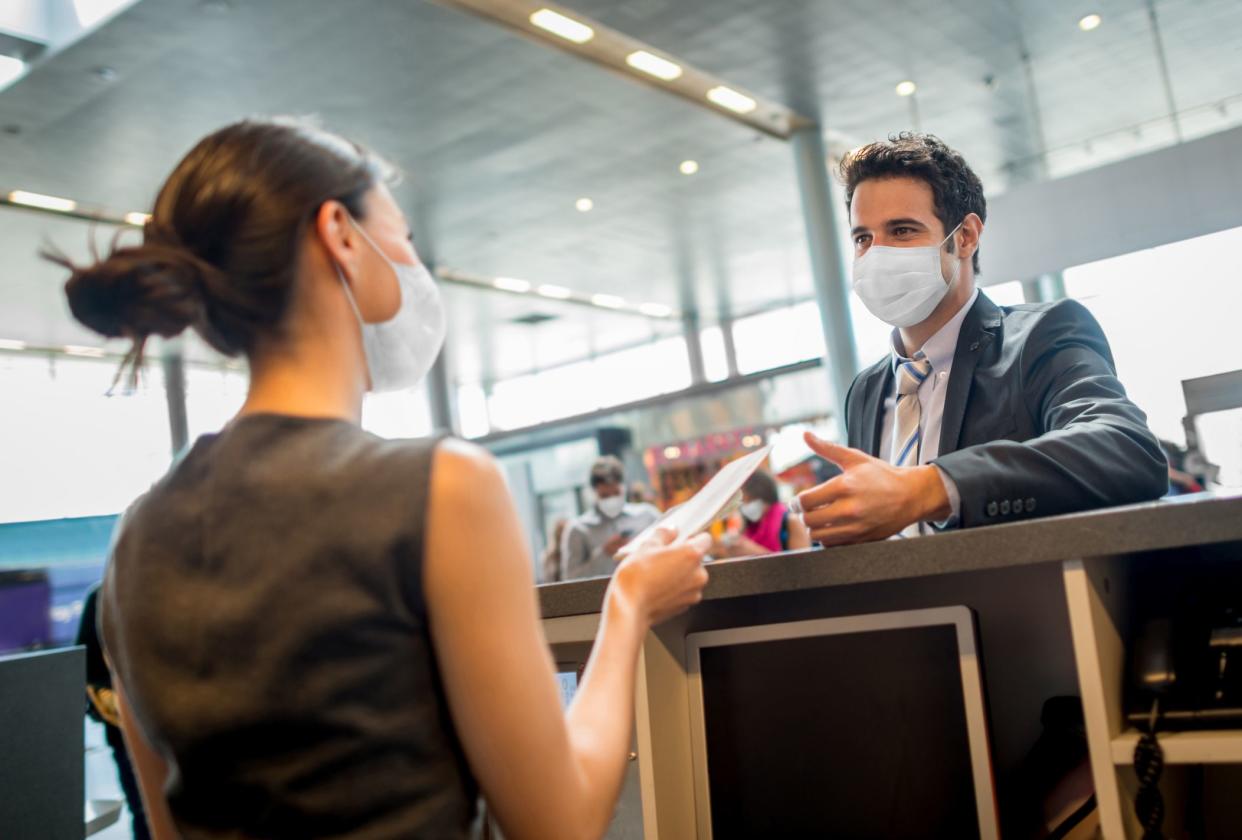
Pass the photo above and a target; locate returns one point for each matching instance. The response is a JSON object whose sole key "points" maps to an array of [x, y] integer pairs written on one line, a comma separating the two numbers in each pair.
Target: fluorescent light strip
{"points": [[608, 301], [11, 344], [562, 26], [656, 310], [727, 97], [43, 202], [512, 284], [554, 292], [653, 65], [138, 219], [89, 352]]}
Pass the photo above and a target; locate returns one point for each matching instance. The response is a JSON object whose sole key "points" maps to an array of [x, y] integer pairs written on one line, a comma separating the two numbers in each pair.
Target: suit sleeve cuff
{"points": [[955, 500]]}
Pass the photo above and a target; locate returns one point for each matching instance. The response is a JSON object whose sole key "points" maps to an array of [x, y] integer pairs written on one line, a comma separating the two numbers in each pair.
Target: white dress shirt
{"points": [[939, 351]]}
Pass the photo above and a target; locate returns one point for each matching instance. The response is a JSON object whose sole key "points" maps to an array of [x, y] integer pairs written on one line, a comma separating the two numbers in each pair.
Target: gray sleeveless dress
{"points": [[264, 609]]}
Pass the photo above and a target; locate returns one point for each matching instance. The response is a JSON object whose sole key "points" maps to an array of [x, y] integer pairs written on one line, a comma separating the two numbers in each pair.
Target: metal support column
{"points": [[440, 395], [694, 347], [828, 270], [1045, 287], [726, 332], [174, 389]]}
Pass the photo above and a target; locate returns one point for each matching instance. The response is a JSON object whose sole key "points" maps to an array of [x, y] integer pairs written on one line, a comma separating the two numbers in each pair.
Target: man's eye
{"points": [[903, 231], [861, 238]]}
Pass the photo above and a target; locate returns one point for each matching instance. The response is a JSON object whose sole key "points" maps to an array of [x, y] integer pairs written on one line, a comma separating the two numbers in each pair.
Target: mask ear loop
{"points": [[957, 263]]}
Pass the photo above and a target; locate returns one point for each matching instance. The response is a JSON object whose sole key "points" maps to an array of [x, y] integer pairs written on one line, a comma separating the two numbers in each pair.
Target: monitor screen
{"points": [[861, 734], [25, 611]]}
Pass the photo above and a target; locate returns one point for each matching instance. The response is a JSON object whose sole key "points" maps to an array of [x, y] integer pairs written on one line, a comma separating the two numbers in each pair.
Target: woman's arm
{"points": [[150, 769], [544, 773]]}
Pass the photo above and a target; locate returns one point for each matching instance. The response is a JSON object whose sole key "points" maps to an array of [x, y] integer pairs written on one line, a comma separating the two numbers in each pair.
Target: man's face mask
{"points": [[612, 506], [401, 350], [902, 286]]}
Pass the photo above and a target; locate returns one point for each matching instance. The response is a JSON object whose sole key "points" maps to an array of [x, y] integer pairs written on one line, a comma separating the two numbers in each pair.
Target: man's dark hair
{"points": [[956, 189], [761, 485], [607, 470]]}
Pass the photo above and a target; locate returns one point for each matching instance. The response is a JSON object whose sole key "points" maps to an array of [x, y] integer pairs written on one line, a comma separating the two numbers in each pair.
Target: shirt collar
{"points": [[940, 347]]}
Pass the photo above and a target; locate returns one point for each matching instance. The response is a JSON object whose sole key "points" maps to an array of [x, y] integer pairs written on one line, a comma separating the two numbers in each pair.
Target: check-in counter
{"points": [[1054, 606]]}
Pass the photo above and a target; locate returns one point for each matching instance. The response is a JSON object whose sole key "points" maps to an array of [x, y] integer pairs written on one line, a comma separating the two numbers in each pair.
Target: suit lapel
{"points": [[873, 408], [978, 331]]}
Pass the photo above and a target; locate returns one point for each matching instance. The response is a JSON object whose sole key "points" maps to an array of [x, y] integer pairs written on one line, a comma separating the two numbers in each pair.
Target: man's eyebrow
{"points": [[859, 229], [912, 222]]}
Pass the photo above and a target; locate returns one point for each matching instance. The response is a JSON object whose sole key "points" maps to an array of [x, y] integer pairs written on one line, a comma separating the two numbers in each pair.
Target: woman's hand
{"points": [[659, 580]]}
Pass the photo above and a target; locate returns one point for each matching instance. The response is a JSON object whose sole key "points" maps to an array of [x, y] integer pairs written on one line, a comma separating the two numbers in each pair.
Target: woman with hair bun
{"points": [[316, 632]]}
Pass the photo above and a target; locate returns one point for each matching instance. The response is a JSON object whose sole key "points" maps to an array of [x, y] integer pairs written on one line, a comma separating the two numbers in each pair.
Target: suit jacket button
{"points": [[1005, 507], [1030, 505], [1017, 505], [992, 508]]}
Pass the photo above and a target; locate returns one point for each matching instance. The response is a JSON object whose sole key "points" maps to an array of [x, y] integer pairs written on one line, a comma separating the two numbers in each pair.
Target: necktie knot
{"points": [[911, 373]]}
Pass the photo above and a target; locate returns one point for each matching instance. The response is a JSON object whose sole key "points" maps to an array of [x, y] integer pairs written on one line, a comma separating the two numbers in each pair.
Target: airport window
{"points": [[779, 337], [399, 414], [69, 449], [1170, 313]]}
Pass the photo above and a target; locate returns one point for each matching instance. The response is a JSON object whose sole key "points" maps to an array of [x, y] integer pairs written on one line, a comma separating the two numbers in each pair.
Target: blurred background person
{"points": [[592, 539], [768, 527], [101, 707], [550, 563]]}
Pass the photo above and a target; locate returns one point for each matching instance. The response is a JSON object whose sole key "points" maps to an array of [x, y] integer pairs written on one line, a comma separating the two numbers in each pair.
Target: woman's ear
{"points": [[335, 232]]}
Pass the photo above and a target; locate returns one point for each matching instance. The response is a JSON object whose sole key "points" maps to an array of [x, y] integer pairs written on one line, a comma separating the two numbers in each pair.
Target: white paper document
{"points": [[698, 512]]}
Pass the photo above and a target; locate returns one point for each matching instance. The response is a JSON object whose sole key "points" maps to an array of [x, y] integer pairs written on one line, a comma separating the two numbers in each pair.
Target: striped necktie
{"points": [[906, 435]]}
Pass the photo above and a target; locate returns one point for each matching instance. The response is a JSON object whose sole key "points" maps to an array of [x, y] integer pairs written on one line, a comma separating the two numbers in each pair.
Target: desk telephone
{"points": [[1188, 672]]}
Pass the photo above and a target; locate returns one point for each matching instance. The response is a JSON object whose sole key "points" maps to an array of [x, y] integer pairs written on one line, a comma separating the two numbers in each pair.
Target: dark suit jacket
{"points": [[1035, 422]]}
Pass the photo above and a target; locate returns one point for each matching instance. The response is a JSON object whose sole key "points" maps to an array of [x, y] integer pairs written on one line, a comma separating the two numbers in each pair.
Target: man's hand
{"points": [[871, 499], [614, 545]]}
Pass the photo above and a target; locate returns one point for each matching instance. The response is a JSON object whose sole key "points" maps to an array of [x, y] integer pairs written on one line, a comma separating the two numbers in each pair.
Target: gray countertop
{"points": [[1186, 520]]}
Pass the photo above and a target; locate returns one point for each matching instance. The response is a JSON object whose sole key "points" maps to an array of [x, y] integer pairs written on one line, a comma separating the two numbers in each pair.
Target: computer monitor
{"points": [[870, 726]]}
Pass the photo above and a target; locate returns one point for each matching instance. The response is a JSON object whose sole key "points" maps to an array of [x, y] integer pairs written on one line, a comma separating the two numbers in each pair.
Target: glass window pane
{"points": [[1006, 294], [780, 337], [715, 360], [1170, 313], [71, 450], [212, 397], [400, 414], [472, 410]]}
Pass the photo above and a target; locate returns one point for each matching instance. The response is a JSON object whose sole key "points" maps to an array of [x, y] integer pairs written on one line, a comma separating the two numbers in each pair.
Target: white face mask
{"points": [[611, 506], [754, 510], [401, 350], [902, 286]]}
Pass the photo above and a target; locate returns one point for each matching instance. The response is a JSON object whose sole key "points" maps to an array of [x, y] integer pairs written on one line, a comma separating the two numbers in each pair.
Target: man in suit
{"points": [[980, 414]]}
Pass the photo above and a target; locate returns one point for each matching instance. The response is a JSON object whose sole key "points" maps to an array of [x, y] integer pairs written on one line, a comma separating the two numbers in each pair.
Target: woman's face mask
{"points": [[401, 350]]}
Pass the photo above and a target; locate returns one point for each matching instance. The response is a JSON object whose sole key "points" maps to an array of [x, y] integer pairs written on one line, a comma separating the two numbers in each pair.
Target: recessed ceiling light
{"points": [[906, 88], [512, 284], [562, 26], [655, 310], [12, 344], [689, 167], [608, 301], [1089, 22], [90, 352], [43, 202], [727, 97], [584, 205], [555, 292], [653, 65], [138, 219]]}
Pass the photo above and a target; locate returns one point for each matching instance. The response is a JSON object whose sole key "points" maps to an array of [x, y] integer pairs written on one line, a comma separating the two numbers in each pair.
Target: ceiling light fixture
{"points": [[1088, 22], [512, 284], [656, 310], [653, 65], [138, 219], [584, 205], [727, 97], [11, 69], [562, 26], [906, 88], [554, 292], [11, 344], [43, 202], [689, 167], [89, 352], [608, 301]]}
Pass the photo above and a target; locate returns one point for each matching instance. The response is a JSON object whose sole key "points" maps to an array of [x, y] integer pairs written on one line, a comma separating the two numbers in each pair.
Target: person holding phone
{"points": [[591, 541], [315, 632]]}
